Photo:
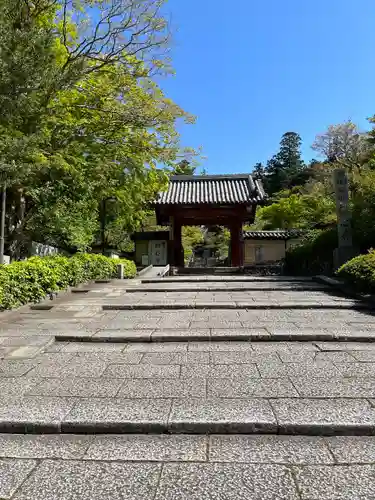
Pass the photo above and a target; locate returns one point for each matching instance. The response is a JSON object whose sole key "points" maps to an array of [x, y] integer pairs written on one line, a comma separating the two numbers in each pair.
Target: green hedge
{"points": [[313, 255], [31, 280], [360, 272]]}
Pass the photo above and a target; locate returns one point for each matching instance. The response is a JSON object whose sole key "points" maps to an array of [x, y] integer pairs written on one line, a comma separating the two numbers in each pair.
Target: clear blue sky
{"points": [[251, 70]]}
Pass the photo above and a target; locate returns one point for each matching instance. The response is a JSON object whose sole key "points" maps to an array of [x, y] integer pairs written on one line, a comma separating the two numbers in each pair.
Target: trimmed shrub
{"points": [[360, 272], [313, 255], [33, 279]]}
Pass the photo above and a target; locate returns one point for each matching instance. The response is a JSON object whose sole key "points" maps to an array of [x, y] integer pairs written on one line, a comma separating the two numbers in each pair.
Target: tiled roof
{"points": [[211, 189], [272, 235]]}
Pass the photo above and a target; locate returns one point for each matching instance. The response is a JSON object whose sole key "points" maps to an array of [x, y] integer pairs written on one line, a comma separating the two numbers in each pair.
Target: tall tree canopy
{"points": [[286, 168], [344, 145], [82, 118]]}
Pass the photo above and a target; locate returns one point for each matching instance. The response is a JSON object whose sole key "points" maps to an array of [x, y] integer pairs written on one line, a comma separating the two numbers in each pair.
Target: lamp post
{"points": [[103, 214]]}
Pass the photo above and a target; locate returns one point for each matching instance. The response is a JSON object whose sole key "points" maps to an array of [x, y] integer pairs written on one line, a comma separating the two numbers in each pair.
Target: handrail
{"points": [[164, 271], [144, 270]]}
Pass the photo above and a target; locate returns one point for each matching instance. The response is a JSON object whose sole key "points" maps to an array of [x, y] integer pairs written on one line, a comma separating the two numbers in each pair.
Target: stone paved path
{"points": [[201, 388]]}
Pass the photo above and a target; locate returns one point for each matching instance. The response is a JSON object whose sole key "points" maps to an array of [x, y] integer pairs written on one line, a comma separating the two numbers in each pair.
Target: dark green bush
{"points": [[313, 255], [360, 272], [31, 280]]}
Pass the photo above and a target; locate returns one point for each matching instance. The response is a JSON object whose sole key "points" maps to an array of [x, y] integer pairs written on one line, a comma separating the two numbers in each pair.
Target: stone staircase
{"points": [[190, 387]]}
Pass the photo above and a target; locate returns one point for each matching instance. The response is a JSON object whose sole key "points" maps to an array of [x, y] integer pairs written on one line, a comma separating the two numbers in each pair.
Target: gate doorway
{"points": [[208, 200]]}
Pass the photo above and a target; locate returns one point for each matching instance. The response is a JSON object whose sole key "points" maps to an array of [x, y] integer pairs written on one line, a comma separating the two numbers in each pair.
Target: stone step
{"points": [[219, 335], [182, 467], [229, 279], [261, 448], [208, 271], [176, 305], [229, 288], [286, 416]]}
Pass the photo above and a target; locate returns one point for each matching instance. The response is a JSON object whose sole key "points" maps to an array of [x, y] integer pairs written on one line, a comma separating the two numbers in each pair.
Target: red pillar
{"points": [[177, 243], [236, 244]]}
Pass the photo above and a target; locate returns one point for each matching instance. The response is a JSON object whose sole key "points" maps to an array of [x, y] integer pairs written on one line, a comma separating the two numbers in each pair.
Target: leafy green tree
{"points": [[82, 120], [183, 168], [363, 208], [305, 208], [345, 146], [192, 236]]}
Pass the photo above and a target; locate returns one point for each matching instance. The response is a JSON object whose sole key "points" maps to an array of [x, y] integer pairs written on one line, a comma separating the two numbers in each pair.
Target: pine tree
{"points": [[258, 171], [286, 168], [290, 154]]}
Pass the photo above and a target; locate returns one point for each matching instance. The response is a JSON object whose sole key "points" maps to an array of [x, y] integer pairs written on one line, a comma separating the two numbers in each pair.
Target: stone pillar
{"points": [[236, 244]]}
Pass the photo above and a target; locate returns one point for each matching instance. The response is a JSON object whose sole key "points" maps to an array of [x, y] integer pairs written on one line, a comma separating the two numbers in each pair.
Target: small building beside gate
{"points": [[262, 247], [151, 247]]}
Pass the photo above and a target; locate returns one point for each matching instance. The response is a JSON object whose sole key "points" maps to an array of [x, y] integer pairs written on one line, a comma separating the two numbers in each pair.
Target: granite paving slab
{"points": [[250, 387], [89, 480], [356, 369], [238, 357], [363, 356], [164, 388], [142, 371], [284, 347], [356, 482], [157, 347], [275, 369], [15, 368], [33, 413], [17, 386], [215, 416], [335, 387], [74, 347], [220, 371], [173, 358], [24, 352], [43, 446], [324, 416], [220, 346], [337, 357], [345, 346], [270, 449], [77, 387], [12, 474], [117, 416], [352, 449], [226, 481], [151, 448], [80, 367]]}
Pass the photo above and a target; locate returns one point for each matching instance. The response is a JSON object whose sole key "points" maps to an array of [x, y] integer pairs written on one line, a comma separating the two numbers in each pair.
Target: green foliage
{"points": [[286, 169], [183, 168], [362, 186], [313, 255], [259, 171], [310, 205], [31, 280], [192, 236], [83, 119], [218, 237], [360, 272], [345, 146]]}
